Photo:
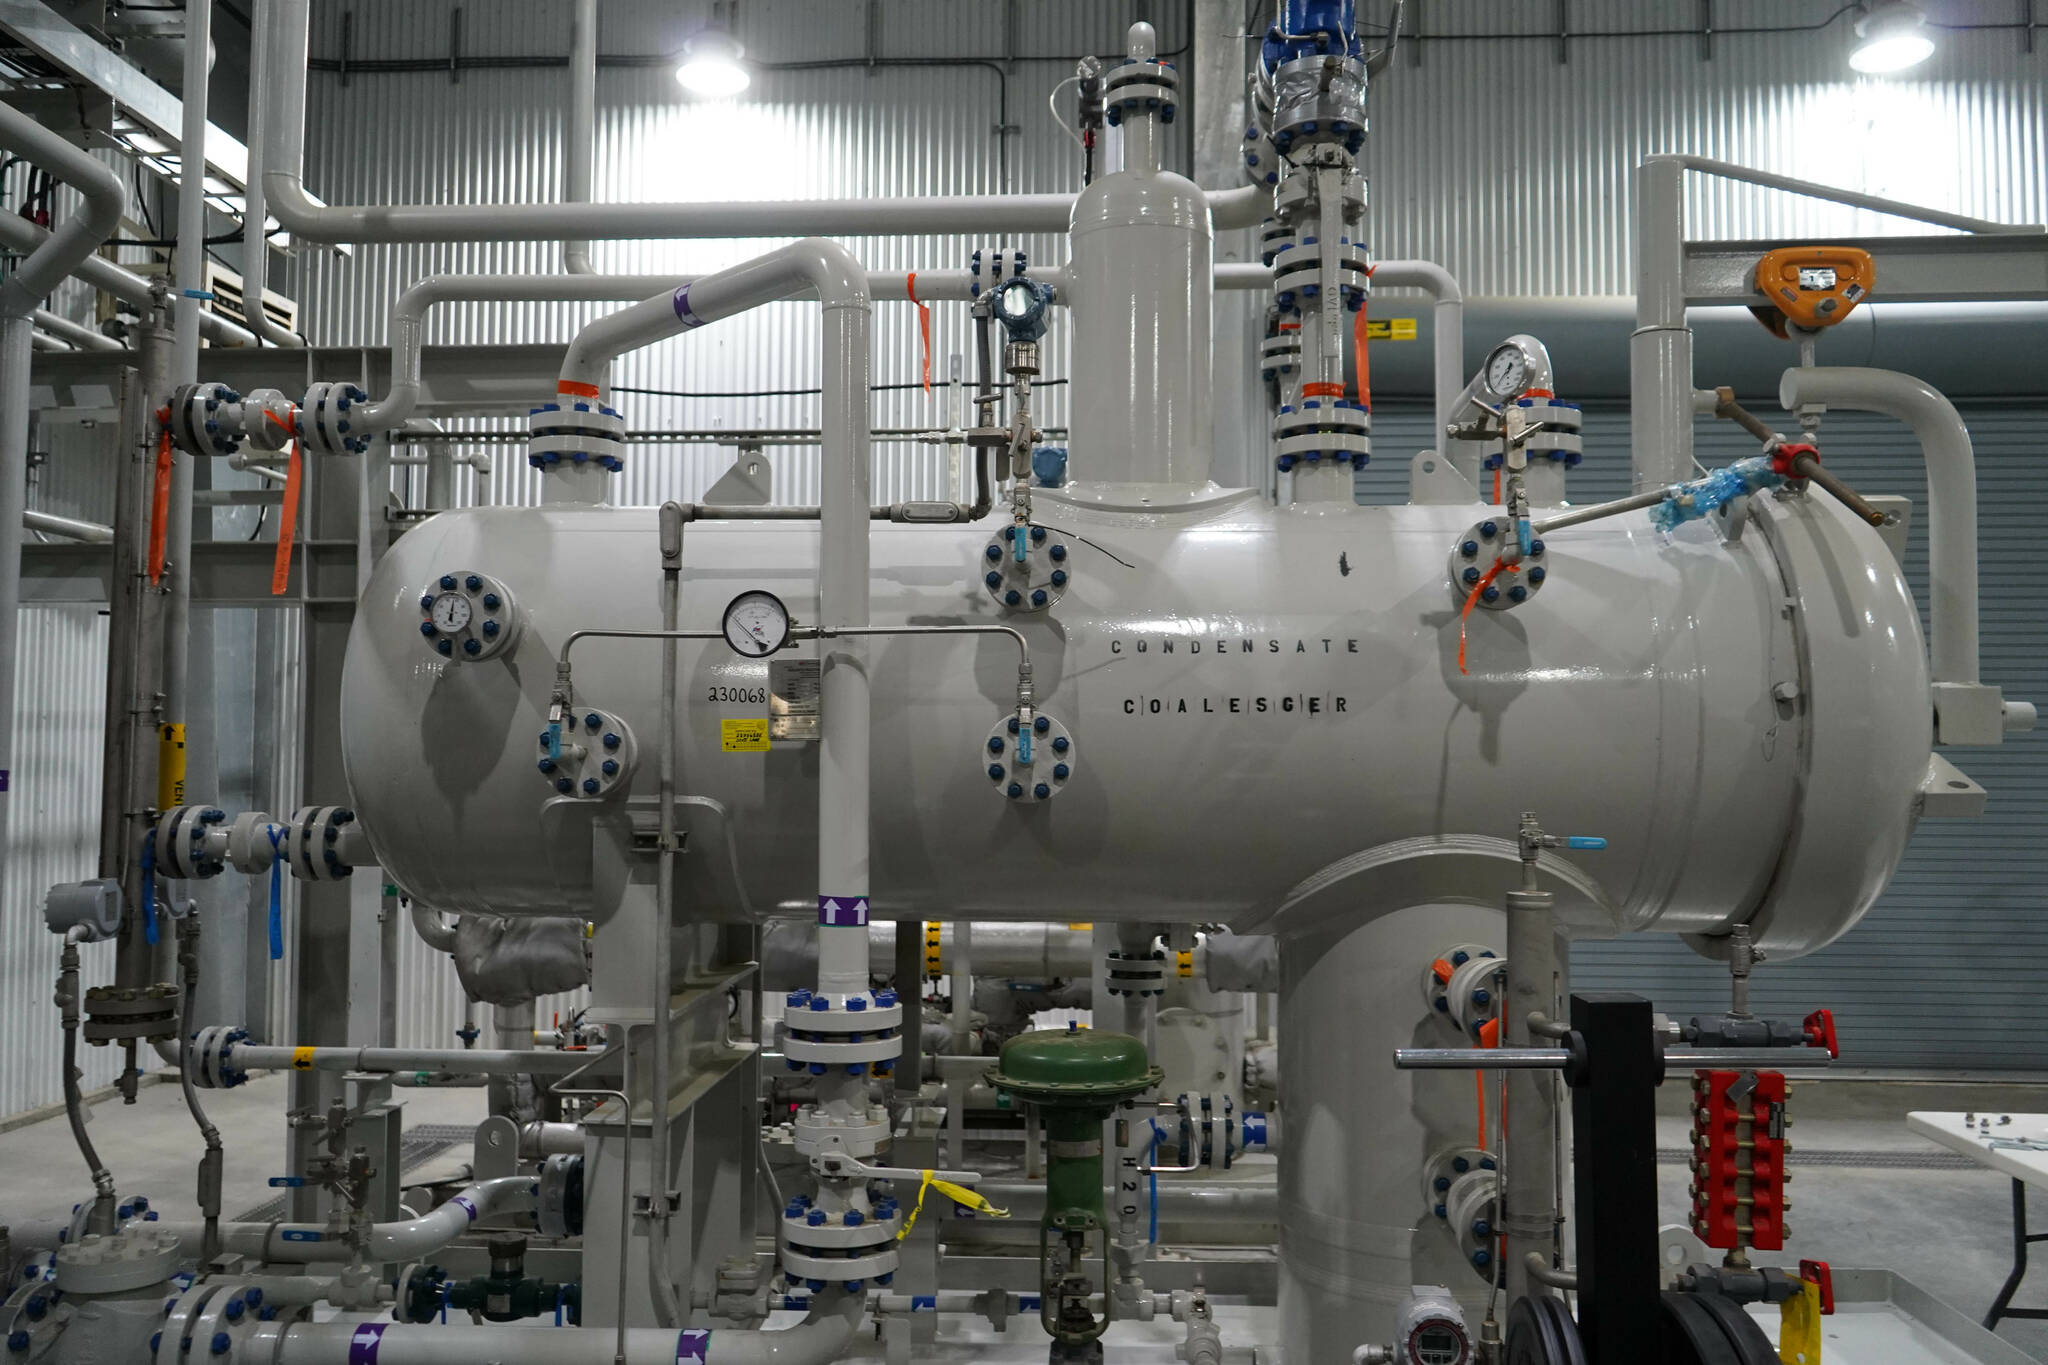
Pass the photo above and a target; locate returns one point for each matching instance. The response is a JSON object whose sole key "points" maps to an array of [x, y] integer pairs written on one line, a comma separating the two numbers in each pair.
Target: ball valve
{"points": [[1075, 1079]]}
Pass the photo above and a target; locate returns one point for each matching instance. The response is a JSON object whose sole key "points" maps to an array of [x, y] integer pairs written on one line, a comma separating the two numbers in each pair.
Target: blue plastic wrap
{"points": [[1685, 502]]}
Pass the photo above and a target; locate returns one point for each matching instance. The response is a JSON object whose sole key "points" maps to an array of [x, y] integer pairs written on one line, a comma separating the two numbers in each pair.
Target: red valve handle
{"points": [[1787, 452], [1820, 1031], [1819, 1273]]}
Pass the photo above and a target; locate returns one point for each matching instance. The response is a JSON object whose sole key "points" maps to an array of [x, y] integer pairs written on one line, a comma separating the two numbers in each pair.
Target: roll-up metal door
{"points": [[1946, 971]]}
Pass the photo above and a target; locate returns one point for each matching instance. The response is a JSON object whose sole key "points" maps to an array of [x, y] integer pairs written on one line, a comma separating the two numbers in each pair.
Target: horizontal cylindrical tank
{"points": [[1266, 706]]}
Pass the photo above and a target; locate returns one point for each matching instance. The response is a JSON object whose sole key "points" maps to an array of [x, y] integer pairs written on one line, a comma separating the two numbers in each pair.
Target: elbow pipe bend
{"points": [[1951, 494], [405, 1240], [79, 235], [434, 931]]}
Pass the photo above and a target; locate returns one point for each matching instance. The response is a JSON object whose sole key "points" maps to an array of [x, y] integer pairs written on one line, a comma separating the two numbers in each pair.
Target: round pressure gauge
{"points": [[756, 624], [450, 612], [1507, 371]]}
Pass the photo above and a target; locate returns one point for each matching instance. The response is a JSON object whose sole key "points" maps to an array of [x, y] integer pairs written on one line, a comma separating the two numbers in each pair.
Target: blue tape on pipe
{"points": [[149, 932], [362, 1345], [693, 1344], [276, 833]]}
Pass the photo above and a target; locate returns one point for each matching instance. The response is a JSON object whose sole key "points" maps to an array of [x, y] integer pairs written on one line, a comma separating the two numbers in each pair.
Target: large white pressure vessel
{"points": [[1267, 710]]}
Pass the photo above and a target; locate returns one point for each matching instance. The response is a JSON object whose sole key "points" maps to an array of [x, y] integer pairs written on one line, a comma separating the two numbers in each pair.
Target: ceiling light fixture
{"points": [[1891, 36], [711, 65]]}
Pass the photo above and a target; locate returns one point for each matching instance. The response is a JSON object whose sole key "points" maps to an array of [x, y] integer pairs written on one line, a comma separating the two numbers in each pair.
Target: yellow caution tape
{"points": [[959, 1194], [1799, 1326], [302, 1059]]}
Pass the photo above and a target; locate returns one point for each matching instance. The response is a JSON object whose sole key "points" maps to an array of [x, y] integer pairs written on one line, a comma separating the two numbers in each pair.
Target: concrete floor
{"points": [[1946, 1230]]}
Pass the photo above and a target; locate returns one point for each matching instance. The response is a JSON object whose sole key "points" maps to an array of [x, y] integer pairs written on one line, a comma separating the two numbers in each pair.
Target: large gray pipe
{"points": [[580, 134], [44, 268], [18, 234], [255, 212]]}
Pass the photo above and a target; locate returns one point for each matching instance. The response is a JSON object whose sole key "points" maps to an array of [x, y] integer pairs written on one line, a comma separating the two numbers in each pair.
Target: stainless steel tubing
{"points": [[1554, 1058]]}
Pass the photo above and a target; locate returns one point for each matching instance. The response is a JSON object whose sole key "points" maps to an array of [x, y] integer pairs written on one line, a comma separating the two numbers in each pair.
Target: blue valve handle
{"points": [[1585, 841], [1020, 543], [276, 833], [286, 1182], [149, 931], [555, 740], [1524, 534], [1023, 743]]}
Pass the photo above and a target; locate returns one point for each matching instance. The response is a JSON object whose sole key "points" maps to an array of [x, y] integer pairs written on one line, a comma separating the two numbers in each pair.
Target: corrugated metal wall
{"points": [[1951, 957]]}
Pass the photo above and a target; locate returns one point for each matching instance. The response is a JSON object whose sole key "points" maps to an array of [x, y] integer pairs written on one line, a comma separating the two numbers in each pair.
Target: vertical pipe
{"points": [[16, 351], [1660, 351], [580, 150], [191, 275], [255, 243], [1529, 1124]]}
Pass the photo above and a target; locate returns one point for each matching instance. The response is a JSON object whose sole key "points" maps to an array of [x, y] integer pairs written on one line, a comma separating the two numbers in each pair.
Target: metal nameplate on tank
{"points": [[793, 699]]}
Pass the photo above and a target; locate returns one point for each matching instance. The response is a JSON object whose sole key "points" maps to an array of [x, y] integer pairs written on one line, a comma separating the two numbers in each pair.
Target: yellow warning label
{"points": [[170, 766], [1390, 329], [1186, 962], [302, 1059], [744, 735], [1081, 928], [932, 965]]}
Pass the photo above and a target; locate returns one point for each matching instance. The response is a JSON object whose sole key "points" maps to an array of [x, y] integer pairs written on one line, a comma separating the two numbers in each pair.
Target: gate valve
{"points": [[1820, 1032]]}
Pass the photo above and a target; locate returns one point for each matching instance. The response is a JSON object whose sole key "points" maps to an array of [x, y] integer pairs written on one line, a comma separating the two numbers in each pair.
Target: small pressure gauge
{"points": [[450, 613], [1507, 371], [756, 624]]}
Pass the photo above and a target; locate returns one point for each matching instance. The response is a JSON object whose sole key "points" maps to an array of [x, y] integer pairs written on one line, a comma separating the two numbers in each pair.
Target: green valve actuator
{"points": [[1075, 1078]]}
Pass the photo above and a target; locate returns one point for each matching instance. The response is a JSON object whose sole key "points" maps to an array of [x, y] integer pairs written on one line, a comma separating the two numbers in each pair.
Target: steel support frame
{"points": [[2021, 1240], [1614, 1162]]}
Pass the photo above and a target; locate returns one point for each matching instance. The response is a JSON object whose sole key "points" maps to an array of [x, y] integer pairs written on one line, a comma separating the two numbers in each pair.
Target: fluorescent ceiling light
{"points": [[1891, 37], [711, 65]]}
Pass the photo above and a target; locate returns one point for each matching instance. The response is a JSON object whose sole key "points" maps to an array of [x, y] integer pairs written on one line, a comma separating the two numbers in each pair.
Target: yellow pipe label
{"points": [[744, 735], [302, 1059], [932, 965], [170, 766], [1187, 962], [1390, 329]]}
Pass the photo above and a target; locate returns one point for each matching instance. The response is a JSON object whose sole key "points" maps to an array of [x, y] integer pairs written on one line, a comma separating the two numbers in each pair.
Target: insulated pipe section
{"points": [[20, 295], [469, 1061], [1028, 951], [820, 1338], [284, 185], [71, 528], [406, 1240], [1951, 495]]}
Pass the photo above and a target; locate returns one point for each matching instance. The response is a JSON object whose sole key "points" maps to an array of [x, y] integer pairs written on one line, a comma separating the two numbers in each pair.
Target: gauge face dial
{"points": [[450, 613], [1507, 371], [756, 624]]}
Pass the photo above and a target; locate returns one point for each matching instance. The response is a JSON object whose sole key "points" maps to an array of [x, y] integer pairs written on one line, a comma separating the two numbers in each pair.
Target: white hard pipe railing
{"points": [[405, 1240], [820, 1338], [1951, 495], [71, 528], [64, 329], [284, 184], [20, 295], [18, 234], [1660, 352], [407, 328]]}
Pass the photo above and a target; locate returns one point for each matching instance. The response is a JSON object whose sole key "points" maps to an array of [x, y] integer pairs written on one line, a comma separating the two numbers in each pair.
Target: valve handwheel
{"points": [[1541, 1332]]}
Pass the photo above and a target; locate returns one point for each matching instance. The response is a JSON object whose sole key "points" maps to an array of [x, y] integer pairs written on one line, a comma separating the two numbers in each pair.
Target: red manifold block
{"points": [[1715, 1137]]}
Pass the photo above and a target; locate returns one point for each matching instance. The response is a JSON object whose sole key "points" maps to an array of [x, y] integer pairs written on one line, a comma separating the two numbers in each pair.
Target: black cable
{"points": [[142, 200], [262, 513]]}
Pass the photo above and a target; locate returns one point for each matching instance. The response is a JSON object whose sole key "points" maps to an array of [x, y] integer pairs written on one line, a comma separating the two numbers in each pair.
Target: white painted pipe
{"points": [[1660, 350], [435, 932], [83, 337], [580, 134], [71, 528], [1448, 309], [20, 295], [820, 1338], [190, 264], [407, 329], [255, 210], [18, 234], [404, 1240], [1951, 495], [285, 127], [469, 1061]]}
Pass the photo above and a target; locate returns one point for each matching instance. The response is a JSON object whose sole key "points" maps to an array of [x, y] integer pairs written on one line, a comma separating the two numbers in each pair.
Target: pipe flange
{"points": [[575, 431], [1032, 581], [821, 1032], [1140, 974], [811, 1231], [118, 1013], [850, 1270], [191, 843], [1471, 1214], [312, 844], [206, 419], [595, 759], [1457, 986], [133, 1258], [328, 419], [1136, 84], [856, 1135], [1280, 355], [1029, 768], [560, 1212], [1298, 274], [814, 1012], [1443, 1171], [1317, 99], [1275, 236], [1483, 549], [466, 615], [213, 1065]]}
